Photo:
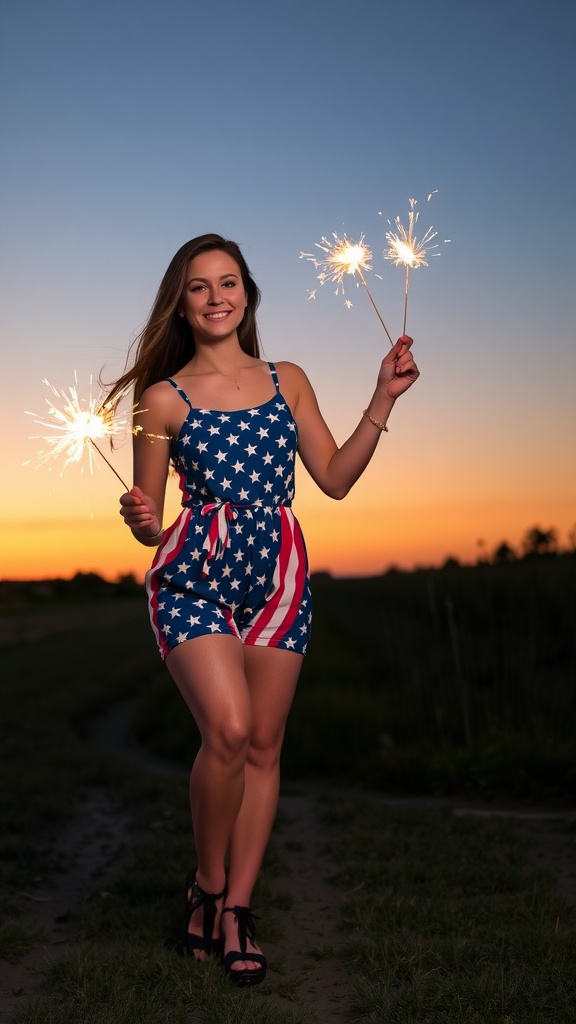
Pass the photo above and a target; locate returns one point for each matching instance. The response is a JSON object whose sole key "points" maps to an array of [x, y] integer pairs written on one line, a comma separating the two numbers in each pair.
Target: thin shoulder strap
{"points": [[274, 376], [180, 392]]}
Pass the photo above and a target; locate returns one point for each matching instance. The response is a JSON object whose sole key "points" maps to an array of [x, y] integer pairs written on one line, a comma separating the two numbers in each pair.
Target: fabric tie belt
{"points": [[223, 513]]}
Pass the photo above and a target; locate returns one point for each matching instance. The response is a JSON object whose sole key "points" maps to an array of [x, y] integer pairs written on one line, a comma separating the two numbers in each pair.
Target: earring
{"points": [[180, 314]]}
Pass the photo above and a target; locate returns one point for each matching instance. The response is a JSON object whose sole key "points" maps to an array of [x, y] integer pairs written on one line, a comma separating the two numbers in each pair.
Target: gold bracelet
{"points": [[150, 541], [381, 426]]}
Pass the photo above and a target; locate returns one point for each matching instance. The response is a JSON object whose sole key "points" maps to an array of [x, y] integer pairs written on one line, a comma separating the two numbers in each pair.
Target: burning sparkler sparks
{"points": [[343, 257], [80, 424], [404, 249]]}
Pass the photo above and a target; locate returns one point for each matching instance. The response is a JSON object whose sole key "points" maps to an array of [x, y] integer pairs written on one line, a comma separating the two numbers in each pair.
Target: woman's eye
{"points": [[230, 284]]}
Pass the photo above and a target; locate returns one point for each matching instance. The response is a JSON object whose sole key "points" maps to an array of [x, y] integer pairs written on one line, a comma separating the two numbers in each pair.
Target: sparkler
{"points": [[79, 425], [404, 249], [343, 257]]}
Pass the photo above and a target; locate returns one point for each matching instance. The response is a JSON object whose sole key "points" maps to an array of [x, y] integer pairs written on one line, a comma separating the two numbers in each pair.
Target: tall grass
{"points": [[460, 678]]}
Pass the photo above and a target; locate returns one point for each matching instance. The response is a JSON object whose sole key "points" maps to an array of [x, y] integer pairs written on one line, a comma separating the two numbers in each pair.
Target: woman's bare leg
{"points": [[271, 676], [209, 672]]}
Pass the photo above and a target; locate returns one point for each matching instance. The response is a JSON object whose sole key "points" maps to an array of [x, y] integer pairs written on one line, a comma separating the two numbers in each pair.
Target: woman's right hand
{"points": [[139, 513]]}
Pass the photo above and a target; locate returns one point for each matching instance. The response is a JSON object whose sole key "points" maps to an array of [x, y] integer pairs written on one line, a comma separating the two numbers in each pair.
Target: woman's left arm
{"points": [[335, 469]]}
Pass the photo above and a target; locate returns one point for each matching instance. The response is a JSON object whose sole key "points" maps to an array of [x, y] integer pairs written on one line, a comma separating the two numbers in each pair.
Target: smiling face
{"points": [[214, 299]]}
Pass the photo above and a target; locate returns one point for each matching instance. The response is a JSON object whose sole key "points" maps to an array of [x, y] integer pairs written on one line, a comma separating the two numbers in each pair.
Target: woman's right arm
{"points": [[142, 507]]}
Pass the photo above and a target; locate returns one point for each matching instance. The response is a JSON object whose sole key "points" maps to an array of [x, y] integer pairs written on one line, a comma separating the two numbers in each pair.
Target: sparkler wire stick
{"points": [[406, 250], [108, 463], [376, 310], [406, 287]]}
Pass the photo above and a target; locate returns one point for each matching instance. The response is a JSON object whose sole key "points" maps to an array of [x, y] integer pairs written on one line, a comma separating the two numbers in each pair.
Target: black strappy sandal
{"points": [[246, 930], [196, 897]]}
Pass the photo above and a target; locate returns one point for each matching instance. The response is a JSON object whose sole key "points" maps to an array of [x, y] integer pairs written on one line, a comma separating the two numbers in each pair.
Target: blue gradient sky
{"points": [[129, 127]]}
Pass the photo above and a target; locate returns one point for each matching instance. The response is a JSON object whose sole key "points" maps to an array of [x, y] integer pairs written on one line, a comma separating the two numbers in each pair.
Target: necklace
{"points": [[233, 380]]}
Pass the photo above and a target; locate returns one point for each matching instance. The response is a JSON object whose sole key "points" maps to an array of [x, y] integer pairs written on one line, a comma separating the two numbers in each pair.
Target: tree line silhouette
{"points": [[535, 543]]}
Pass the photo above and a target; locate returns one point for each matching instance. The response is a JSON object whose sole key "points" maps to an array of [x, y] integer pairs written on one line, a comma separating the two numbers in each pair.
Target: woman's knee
{"points": [[264, 749], [229, 741]]}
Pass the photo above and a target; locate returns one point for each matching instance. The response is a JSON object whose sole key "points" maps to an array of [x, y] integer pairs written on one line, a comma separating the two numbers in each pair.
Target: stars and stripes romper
{"points": [[234, 561]]}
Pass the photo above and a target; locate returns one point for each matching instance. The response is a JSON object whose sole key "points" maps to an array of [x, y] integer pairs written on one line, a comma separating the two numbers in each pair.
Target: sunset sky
{"points": [[131, 126]]}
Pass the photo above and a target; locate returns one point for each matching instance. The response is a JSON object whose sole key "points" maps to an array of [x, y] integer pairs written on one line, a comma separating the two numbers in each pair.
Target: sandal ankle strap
{"points": [[200, 898], [208, 895], [246, 924]]}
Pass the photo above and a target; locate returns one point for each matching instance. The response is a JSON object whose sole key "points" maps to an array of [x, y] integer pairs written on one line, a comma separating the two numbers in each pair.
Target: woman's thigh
{"points": [[210, 674], [271, 675]]}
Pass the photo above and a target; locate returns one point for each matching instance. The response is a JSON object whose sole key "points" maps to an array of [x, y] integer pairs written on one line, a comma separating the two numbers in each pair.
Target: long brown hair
{"points": [[166, 343]]}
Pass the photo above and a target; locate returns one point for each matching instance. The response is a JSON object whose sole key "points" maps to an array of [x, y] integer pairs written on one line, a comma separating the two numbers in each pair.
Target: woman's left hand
{"points": [[398, 370]]}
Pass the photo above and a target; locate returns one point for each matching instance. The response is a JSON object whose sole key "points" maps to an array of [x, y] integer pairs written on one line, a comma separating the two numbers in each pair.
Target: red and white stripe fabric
{"points": [[172, 545], [276, 619]]}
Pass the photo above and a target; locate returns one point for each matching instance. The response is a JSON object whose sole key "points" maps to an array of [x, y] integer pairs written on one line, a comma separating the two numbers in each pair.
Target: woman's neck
{"points": [[225, 361], [226, 358]]}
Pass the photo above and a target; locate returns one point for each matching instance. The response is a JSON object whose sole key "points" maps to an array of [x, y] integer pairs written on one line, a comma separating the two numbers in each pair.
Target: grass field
{"points": [[436, 918], [447, 921]]}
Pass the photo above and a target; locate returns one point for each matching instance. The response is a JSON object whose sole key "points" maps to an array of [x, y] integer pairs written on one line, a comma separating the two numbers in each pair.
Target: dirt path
{"points": [[84, 853], [305, 954], [312, 937], [308, 972]]}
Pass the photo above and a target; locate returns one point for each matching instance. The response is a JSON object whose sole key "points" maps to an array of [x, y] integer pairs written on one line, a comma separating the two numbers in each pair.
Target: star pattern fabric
{"points": [[234, 561]]}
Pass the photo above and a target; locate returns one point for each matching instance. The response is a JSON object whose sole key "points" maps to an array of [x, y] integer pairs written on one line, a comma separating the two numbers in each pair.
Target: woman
{"points": [[228, 590]]}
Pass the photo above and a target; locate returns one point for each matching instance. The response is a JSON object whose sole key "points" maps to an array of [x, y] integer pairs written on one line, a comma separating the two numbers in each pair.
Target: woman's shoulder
{"points": [[159, 395], [293, 376], [294, 384]]}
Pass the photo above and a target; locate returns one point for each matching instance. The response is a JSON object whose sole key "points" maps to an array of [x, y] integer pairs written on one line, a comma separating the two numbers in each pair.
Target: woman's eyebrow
{"points": [[205, 280]]}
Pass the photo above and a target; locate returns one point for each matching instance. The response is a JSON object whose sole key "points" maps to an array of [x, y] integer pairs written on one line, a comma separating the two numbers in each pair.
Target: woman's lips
{"points": [[217, 316]]}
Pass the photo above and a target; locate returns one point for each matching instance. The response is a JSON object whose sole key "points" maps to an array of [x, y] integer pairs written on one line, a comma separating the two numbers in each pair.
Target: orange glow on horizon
{"points": [[343, 539]]}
